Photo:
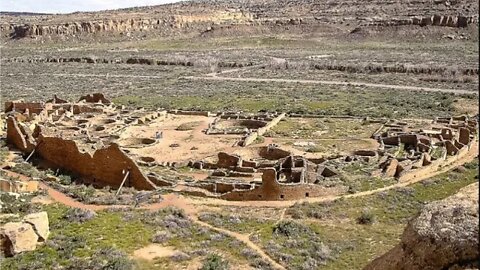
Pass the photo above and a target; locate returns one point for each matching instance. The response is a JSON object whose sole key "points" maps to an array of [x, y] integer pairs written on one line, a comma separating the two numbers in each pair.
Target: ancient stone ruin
{"points": [[102, 144]]}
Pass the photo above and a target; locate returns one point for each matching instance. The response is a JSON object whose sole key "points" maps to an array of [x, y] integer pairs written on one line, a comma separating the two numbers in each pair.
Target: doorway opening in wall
{"points": [[282, 196], [306, 194]]}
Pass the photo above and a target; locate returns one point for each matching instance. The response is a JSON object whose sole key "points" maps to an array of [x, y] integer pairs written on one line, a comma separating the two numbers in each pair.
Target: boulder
{"points": [[16, 237], [39, 221], [443, 235]]}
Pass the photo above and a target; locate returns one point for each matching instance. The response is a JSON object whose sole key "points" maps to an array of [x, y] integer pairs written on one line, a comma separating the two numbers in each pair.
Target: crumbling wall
{"points": [[95, 98], [271, 190], [249, 139], [107, 165], [226, 160], [57, 100], [17, 136], [273, 153], [199, 113], [433, 166], [31, 107], [77, 109], [18, 186]]}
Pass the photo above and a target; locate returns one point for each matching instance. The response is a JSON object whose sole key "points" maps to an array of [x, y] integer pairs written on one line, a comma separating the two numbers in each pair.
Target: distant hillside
{"points": [[13, 13]]}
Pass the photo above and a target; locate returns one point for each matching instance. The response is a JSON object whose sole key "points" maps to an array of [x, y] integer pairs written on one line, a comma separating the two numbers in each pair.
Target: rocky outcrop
{"points": [[121, 26], [232, 17], [85, 27], [434, 20], [443, 236], [39, 221], [17, 237]]}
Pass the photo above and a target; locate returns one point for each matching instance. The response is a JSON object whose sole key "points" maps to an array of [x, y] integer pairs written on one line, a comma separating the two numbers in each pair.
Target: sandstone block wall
{"points": [[253, 136], [271, 190], [107, 165], [17, 136], [18, 186]]}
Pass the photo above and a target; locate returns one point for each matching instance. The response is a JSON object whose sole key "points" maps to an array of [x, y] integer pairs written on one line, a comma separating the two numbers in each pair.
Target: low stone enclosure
{"points": [[93, 140]]}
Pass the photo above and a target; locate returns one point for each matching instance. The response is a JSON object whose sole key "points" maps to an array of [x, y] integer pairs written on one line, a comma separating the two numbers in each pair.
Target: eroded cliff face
{"points": [[160, 24], [203, 16], [443, 236]]}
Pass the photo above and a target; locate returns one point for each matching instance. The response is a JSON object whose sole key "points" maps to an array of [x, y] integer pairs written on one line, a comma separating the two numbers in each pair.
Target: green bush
{"points": [[289, 228], [214, 262], [65, 179], [366, 218]]}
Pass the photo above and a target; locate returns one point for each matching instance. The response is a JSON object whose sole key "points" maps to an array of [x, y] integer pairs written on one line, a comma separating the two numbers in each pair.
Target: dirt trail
{"points": [[389, 86], [243, 238], [241, 69]]}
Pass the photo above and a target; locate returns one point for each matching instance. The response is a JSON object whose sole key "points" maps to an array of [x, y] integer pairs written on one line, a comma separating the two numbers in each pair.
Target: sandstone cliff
{"points": [[443, 236], [198, 17]]}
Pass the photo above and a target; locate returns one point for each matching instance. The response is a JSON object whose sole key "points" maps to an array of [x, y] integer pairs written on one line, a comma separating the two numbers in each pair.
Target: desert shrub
{"points": [[295, 213], [172, 219], [14, 204], [161, 237], [81, 192], [259, 139], [106, 258], [65, 179], [180, 256], [313, 149], [366, 218], [214, 262], [66, 245], [259, 263], [79, 215], [471, 165], [289, 228], [112, 259], [28, 170]]}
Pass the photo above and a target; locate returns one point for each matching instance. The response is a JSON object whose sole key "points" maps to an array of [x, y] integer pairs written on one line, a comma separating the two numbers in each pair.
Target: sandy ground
{"points": [[207, 145], [153, 251]]}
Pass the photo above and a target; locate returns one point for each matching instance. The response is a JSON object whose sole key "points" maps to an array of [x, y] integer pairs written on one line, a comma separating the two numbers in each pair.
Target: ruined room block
{"points": [[427, 159], [464, 136], [451, 148], [226, 160]]}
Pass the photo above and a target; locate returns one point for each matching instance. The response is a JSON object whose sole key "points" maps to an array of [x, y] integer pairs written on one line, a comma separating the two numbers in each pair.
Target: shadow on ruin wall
{"points": [[272, 190], [439, 163], [107, 165], [17, 136]]}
